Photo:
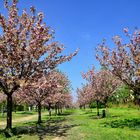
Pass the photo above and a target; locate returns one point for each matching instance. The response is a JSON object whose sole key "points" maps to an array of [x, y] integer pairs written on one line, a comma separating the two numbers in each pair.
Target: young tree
{"points": [[23, 42], [124, 60]]}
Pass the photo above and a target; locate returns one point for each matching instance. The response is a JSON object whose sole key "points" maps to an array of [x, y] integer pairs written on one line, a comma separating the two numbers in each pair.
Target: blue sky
{"points": [[83, 24]]}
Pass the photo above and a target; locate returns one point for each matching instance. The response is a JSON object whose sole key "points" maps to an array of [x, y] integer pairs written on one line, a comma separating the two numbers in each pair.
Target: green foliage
{"points": [[94, 105], [122, 95], [20, 108]]}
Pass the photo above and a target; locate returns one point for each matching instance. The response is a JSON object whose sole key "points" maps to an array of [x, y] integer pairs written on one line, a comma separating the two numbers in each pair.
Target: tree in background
{"points": [[63, 97], [124, 60], [26, 51], [36, 92], [85, 95], [43, 92], [103, 85]]}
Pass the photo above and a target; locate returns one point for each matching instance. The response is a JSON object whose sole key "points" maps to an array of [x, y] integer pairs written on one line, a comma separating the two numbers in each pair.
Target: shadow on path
{"points": [[49, 128]]}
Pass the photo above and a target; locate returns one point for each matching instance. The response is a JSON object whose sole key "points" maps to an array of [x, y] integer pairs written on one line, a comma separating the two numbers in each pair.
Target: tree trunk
{"points": [[98, 114], [29, 108], [58, 107], [49, 110], [61, 110], [136, 98], [84, 107], [55, 110], [9, 111], [39, 113], [15, 108], [50, 113], [104, 112]]}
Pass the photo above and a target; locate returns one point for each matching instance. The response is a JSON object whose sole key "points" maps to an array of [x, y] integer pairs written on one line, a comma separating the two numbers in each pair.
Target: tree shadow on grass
{"points": [[88, 112], [116, 116], [130, 123], [65, 113], [50, 127], [95, 116]]}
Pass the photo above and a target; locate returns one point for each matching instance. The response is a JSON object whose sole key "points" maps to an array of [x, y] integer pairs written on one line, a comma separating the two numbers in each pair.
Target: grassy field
{"points": [[120, 124]]}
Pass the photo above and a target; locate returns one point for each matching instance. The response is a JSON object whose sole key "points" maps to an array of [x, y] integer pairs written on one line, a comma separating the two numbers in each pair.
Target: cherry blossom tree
{"points": [[124, 60], [103, 84], [35, 93], [85, 95], [26, 50], [46, 91], [58, 101], [68, 100], [62, 98], [49, 102]]}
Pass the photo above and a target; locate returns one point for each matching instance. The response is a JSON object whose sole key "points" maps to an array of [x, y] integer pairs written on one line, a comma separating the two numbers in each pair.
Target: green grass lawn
{"points": [[120, 124]]}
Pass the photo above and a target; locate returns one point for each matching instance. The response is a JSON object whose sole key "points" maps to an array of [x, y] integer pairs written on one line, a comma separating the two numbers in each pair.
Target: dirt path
{"points": [[22, 119], [56, 138]]}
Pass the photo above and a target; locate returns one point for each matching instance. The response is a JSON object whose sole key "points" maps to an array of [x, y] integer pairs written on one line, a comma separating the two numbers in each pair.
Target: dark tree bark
{"points": [[9, 102], [15, 107], [58, 107], [49, 110], [84, 107], [106, 108], [137, 97], [103, 113], [9, 111], [97, 102], [61, 110], [55, 110], [39, 113]]}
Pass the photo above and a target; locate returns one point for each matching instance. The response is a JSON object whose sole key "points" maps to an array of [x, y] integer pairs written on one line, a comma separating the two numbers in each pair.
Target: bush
{"points": [[20, 108]]}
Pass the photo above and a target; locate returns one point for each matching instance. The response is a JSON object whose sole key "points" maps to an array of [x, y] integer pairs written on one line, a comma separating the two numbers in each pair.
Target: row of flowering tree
{"points": [[62, 96], [122, 67], [123, 61], [51, 90], [85, 95], [27, 52], [100, 86]]}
